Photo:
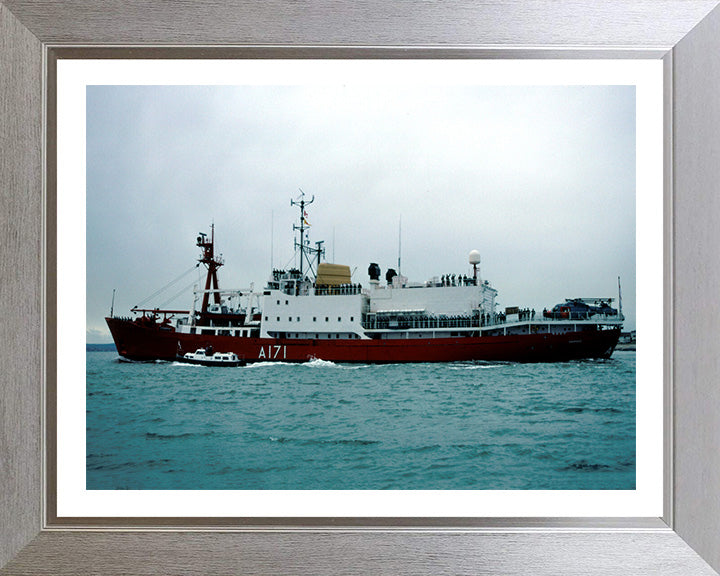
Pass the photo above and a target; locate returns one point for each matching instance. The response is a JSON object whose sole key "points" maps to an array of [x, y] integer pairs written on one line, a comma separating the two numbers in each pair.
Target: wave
{"points": [[320, 441], [319, 363], [581, 409], [312, 363], [268, 364], [174, 436], [584, 465], [123, 360], [475, 367]]}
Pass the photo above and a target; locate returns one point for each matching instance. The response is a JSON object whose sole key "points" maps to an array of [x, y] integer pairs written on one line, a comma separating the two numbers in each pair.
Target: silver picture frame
{"points": [[684, 34]]}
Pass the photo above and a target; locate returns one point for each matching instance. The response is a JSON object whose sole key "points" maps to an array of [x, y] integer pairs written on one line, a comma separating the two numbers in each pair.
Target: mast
{"points": [[399, 245], [307, 254], [303, 224], [272, 240], [212, 263]]}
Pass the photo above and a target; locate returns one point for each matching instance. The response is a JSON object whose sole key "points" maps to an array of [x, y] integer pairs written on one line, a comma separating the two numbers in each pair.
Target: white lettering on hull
{"points": [[273, 351]]}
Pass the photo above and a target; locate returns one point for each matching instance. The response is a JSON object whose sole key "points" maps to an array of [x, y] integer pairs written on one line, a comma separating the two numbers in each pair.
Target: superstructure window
{"points": [[352, 318], [339, 319], [314, 318], [327, 319]]}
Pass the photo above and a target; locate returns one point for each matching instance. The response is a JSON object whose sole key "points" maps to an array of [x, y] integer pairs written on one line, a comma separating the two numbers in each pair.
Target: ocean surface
{"points": [[325, 426]]}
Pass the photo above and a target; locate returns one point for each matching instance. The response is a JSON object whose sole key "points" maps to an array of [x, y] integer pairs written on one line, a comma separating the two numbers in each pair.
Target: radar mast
{"points": [[309, 255]]}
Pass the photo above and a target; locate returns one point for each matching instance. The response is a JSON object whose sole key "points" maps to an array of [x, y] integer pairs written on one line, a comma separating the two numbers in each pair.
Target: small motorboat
{"points": [[207, 357]]}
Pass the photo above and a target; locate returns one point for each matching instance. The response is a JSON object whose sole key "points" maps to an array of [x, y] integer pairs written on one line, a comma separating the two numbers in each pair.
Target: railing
{"points": [[399, 322], [339, 290]]}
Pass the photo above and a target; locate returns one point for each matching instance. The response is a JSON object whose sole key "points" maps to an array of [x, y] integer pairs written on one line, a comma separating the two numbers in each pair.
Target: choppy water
{"points": [[327, 426]]}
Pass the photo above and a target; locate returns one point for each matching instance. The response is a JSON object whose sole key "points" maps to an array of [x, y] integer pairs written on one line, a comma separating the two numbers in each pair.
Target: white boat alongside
{"points": [[206, 357]]}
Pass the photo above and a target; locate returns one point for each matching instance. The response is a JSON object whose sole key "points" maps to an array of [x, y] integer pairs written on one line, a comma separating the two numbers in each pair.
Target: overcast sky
{"points": [[540, 180]]}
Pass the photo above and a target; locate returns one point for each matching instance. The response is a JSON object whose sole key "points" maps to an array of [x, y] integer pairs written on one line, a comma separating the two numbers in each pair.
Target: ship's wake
{"points": [[123, 360], [474, 366], [312, 363]]}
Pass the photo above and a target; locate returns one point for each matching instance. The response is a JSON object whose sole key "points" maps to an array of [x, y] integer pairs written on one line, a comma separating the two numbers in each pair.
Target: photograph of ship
{"points": [[360, 287]]}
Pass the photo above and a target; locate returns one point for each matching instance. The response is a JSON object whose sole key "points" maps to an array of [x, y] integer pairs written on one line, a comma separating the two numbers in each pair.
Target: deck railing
{"points": [[400, 322]]}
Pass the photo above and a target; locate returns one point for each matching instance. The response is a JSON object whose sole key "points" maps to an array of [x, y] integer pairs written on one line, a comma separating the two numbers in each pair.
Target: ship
{"points": [[316, 310]]}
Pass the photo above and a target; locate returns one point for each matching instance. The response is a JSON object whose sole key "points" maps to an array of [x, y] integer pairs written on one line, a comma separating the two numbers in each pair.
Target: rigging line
{"points": [[168, 285], [179, 293], [292, 258]]}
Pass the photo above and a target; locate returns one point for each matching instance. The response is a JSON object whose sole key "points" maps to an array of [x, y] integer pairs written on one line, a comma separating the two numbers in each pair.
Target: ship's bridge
{"points": [[331, 307]]}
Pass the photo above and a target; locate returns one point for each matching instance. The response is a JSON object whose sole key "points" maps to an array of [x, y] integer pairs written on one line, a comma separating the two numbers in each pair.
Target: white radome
{"points": [[474, 257]]}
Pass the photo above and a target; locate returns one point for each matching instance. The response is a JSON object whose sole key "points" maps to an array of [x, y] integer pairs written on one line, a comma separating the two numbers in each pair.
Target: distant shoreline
{"points": [[100, 347]]}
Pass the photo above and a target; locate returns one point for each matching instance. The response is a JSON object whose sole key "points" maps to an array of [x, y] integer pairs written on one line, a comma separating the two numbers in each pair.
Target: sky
{"points": [[539, 179]]}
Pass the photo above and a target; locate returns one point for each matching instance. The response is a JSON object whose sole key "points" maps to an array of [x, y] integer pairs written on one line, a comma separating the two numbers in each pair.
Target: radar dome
{"points": [[474, 257]]}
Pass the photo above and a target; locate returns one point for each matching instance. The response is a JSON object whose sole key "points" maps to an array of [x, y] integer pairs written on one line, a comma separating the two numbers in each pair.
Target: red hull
{"points": [[151, 343]]}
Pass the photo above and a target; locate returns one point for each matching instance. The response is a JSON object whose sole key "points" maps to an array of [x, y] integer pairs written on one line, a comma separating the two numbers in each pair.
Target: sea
{"points": [[326, 426]]}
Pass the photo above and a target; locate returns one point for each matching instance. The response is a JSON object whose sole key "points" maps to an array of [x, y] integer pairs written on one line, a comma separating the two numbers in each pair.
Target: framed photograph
{"points": [[569, 426], [138, 144]]}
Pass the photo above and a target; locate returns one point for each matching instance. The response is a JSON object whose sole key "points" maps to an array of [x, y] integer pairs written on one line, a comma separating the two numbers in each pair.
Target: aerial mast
{"points": [[306, 252], [399, 245], [213, 263]]}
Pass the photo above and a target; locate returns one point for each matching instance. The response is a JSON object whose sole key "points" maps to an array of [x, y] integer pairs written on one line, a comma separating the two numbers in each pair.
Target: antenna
{"points": [[619, 298], [272, 239], [303, 225], [399, 245], [112, 305]]}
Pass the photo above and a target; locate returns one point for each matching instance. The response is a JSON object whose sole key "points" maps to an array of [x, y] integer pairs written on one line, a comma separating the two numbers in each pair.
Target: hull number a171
{"points": [[273, 351]]}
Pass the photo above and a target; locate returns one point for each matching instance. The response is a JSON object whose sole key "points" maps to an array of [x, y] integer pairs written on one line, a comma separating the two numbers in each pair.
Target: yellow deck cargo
{"points": [[332, 274]]}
